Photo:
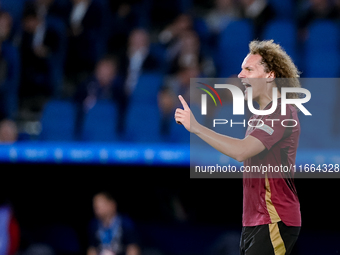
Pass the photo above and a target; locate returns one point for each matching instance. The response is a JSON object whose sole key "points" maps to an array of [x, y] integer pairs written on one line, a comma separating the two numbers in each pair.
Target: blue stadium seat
{"points": [[178, 133], [283, 9], [142, 123], [233, 47], [147, 88], [322, 50], [283, 32], [58, 121], [100, 123], [316, 130]]}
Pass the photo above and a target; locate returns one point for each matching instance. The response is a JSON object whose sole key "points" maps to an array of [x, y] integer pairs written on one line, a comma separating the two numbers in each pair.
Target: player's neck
{"points": [[265, 99]]}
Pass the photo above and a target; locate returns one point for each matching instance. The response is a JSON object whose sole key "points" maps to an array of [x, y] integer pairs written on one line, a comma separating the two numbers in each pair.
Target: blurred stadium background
{"points": [[87, 94]]}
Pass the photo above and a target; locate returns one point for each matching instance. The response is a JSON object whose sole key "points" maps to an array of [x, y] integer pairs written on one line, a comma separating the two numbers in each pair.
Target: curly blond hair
{"points": [[275, 59]]}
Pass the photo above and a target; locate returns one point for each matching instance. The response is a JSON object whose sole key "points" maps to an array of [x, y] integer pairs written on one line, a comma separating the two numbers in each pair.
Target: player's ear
{"points": [[271, 76]]}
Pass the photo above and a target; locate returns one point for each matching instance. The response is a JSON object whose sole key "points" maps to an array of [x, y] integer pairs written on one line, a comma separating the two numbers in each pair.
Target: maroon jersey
{"points": [[269, 193]]}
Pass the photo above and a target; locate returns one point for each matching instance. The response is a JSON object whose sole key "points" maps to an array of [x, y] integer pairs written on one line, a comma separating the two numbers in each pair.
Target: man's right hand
{"points": [[185, 117]]}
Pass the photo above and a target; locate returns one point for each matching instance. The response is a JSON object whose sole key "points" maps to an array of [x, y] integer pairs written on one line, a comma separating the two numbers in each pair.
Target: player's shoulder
{"points": [[290, 110]]}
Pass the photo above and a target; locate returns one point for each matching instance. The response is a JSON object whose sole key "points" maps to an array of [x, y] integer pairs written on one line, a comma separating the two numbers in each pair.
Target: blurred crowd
{"points": [[85, 51], [88, 50], [107, 232]]}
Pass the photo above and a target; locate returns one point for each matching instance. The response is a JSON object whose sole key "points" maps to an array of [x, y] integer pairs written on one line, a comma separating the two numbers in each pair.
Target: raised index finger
{"points": [[184, 103]]}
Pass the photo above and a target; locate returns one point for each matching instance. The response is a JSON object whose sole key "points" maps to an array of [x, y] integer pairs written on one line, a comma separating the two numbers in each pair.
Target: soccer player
{"points": [[271, 209]]}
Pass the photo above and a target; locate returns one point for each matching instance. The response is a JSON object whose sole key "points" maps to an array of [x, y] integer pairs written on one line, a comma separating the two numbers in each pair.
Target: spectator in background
{"points": [[126, 17], [170, 36], [191, 55], [183, 47], [84, 38], [8, 131], [38, 43], [161, 12], [317, 9], [43, 7], [104, 84], [52, 13], [259, 12], [137, 59], [9, 70], [177, 84], [336, 6], [53, 8], [221, 15], [111, 233], [9, 230]]}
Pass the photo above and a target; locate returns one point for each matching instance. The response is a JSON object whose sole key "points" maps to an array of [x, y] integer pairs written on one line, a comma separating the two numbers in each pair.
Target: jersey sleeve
{"points": [[274, 127]]}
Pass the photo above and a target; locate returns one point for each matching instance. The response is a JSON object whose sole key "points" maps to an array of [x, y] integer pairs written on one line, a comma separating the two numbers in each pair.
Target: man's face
{"points": [[253, 75], [139, 39], [5, 26], [31, 23], [105, 72], [103, 207]]}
